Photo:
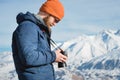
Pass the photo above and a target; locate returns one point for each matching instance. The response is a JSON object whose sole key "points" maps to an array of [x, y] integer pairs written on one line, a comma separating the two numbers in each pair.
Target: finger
{"points": [[63, 60], [58, 50], [64, 57]]}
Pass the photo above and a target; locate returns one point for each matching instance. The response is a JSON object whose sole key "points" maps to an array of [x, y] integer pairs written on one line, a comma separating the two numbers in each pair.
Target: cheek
{"points": [[51, 19]]}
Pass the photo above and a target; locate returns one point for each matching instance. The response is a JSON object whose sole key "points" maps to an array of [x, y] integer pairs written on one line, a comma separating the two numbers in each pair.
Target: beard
{"points": [[47, 23]]}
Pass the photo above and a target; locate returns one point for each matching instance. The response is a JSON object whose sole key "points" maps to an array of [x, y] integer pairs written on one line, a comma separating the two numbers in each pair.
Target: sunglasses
{"points": [[56, 20]]}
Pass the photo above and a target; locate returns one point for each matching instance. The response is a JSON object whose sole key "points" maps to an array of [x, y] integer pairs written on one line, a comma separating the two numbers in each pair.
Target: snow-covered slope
{"points": [[95, 57], [7, 70], [109, 61], [85, 48]]}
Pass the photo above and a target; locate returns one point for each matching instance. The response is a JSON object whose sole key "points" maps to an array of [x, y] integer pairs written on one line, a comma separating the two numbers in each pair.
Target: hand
{"points": [[60, 57]]}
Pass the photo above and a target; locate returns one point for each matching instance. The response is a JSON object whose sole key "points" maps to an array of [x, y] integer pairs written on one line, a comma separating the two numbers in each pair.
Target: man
{"points": [[32, 55]]}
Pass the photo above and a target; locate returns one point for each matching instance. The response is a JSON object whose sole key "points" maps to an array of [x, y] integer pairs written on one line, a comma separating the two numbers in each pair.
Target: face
{"points": [[50, 21]]}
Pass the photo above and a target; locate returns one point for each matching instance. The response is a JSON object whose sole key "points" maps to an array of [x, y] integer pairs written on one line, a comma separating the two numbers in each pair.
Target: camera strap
{"points": [[72, 75], [53, 43]]}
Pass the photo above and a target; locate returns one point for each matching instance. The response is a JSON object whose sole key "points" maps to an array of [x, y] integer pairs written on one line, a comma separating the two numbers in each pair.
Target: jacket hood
{"points": [[27, 16], [30, 17]]}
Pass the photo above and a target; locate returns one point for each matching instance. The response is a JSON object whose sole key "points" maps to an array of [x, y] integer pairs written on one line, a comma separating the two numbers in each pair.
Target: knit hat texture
{"points": [[54, 8]]}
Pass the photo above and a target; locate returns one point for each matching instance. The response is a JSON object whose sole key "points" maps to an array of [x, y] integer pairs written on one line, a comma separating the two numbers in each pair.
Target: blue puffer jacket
{"points": [[32, 55]]}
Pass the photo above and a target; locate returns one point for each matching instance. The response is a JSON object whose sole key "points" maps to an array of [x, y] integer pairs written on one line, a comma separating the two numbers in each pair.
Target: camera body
{"points": [[62, 64]]}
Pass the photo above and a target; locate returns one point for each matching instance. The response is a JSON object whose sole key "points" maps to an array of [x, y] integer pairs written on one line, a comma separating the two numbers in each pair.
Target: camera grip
{"points": [[62, 64]]}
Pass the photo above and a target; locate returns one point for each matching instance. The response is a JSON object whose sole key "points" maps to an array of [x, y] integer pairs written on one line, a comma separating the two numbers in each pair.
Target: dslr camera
{"points": [[62, 64]]}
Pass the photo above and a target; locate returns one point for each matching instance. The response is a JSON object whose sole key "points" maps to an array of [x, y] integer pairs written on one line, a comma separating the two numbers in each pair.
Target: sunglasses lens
{"points": [[56, 20]]}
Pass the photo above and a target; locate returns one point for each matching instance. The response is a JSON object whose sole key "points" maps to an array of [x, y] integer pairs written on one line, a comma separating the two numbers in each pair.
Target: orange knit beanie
{"points": [[53, 7]]}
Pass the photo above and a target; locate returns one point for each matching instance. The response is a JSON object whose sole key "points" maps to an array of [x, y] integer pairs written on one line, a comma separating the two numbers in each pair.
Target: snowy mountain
{"points": [[110, 61], [95, 57], [7, 70], [105, 67], [85, 48]]}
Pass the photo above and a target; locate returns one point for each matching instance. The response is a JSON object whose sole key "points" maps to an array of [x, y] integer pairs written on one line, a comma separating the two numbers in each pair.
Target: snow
{"points": [[95, 57], [7, 70]]}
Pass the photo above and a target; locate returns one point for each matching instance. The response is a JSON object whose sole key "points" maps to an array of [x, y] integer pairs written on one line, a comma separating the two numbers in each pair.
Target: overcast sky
{"points": [[81, 17]]}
